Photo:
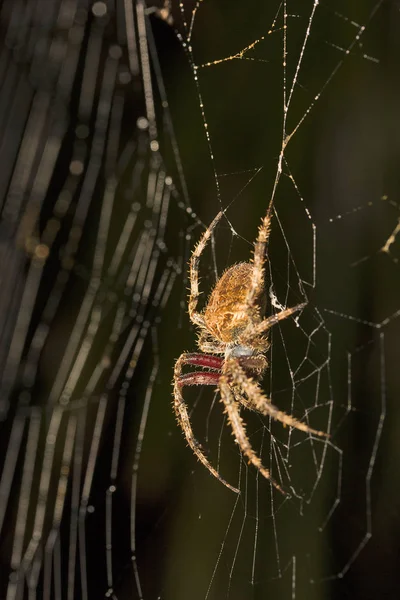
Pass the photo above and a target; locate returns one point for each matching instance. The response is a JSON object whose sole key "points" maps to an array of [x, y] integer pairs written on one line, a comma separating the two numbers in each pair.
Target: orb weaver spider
{"points": [[233, 341]]}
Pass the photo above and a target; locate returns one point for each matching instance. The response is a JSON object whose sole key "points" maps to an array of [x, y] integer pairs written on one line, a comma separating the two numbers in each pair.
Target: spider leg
{"points": [[260, 247], [182, 414], [269, 322], [195, 316], [209, 346], [199, 378], [239, 431], [260, 402], [241, 399], [202, 360]]}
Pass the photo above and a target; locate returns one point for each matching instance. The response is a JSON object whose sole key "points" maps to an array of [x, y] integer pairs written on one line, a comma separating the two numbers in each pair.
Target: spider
{"points": [[233, 342]]}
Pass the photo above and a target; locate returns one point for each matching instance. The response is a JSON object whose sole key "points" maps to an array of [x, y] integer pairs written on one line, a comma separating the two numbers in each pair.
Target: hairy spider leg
{"points": [[181, 411], [199, 378], [195, 316], [202, 360], [261, 403], [269, 322], [260, 248], [232, 410]]}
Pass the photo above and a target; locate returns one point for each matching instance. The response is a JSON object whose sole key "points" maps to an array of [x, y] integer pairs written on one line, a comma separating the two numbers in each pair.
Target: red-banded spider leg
{"points": [[205, 361]]}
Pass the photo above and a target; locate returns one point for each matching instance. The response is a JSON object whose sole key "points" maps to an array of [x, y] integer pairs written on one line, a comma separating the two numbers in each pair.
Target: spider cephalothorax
{"points": [[233, 342]]}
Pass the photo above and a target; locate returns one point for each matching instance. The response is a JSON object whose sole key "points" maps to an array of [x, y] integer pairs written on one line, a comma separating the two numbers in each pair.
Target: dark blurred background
{"points": [[125, 128]]}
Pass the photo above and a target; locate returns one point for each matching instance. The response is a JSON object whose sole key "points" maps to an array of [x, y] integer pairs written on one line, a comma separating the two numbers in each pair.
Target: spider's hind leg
{"points": [[254, 333], [194, 295], [260, 247]]}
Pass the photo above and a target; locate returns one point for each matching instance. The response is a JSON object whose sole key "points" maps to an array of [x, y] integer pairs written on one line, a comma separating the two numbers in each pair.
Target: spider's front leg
{"points": [[239, 430], [261, 403], [181, 412]]}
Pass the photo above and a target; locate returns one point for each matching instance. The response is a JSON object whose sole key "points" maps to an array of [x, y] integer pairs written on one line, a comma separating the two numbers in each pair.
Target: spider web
{"points": [[125, 129]]}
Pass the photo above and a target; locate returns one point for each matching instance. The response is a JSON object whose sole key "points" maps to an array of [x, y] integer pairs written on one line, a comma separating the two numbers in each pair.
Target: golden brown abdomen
{"points": [[225, 315]]}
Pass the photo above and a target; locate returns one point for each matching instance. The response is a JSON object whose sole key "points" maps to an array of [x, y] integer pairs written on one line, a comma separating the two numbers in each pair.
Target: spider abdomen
{"points": [[225, 315]]}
